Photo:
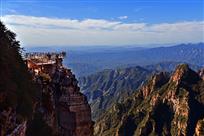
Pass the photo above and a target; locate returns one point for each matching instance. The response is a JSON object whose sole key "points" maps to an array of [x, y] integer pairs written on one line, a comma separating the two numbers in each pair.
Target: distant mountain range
{"points": [[97, 61], [88, 60]]}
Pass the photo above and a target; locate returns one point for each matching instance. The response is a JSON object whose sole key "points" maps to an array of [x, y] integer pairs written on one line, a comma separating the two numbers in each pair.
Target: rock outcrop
{"points": [[10, 125], [64, 108], [155, 81], [74, 112], [199, 130], [163, 106]]}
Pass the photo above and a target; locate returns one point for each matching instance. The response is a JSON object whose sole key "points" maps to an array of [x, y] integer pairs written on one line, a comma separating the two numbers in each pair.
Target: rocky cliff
{"points": [[105, 88], [163, 106], [63, 107], [74, 116], [38, 96]]}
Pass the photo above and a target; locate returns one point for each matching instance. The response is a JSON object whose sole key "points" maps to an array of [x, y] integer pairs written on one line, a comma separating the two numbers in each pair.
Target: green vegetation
{"points": [[17, 90], [108, 87], [169, 108], [15, 82]]}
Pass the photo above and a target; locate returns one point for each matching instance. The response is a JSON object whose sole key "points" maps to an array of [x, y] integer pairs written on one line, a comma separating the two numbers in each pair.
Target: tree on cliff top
{"points": [[17, 90], [16, 87]]}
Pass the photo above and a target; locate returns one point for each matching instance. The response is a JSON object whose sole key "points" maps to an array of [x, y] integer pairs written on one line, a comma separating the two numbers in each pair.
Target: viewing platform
{"points": [[43, 62]]}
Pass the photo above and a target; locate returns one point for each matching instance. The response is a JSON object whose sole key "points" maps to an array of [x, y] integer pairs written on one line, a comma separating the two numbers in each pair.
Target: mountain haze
{"points": [[88, 60]]}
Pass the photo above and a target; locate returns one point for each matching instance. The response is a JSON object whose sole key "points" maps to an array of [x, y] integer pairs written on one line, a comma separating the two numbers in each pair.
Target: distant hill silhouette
{"points": [[186, 53]]}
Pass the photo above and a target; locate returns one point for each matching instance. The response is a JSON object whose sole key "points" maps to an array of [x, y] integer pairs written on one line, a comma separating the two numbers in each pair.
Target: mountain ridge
{"points": [[106, 87], [109, 86], [179, 98]]}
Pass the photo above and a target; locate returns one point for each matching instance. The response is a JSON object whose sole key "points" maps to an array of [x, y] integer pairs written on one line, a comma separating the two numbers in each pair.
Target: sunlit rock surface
{"points": [[163, 106]]}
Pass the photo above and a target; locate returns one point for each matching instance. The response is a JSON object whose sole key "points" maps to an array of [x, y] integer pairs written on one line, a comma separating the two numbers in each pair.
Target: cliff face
{"points": [[74, 112], [163, 106], [62, 106]]}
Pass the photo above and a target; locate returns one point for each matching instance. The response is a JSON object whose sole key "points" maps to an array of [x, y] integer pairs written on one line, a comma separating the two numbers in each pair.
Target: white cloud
{"points": [[44, 22], [123, 17], [130, 27], [53, 31]]}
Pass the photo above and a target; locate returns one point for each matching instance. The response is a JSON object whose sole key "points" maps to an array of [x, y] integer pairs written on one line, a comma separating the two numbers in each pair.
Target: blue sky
{"points": [[151, 11], [135, 17]]}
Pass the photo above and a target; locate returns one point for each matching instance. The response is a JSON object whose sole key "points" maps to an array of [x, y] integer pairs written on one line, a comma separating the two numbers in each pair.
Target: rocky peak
{"points": [[155, 81], [167, 107], [184, 74]]}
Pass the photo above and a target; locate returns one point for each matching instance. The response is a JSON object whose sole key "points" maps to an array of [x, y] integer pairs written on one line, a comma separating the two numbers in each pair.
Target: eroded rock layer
{"points": [[63, 107], [74, 113]]}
